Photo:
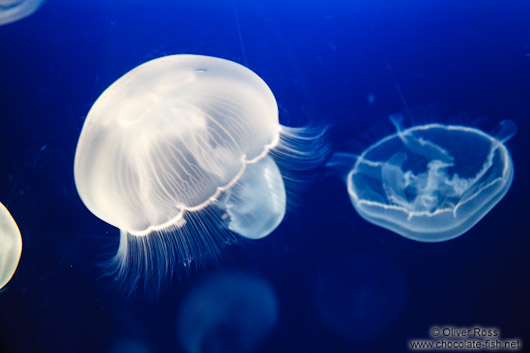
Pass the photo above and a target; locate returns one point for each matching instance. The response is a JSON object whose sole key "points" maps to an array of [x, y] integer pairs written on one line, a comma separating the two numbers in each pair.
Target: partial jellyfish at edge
{"points": [[361, 295], [15, 10], [182, 154], [10, 246], [229, 312], [430, 182]]}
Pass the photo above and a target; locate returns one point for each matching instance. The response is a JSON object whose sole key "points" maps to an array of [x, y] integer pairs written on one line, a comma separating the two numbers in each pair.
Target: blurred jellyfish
{"points": [[361, 295], [14, 10], [430, 182], [10, 246], [228, 313], [179, 154]]}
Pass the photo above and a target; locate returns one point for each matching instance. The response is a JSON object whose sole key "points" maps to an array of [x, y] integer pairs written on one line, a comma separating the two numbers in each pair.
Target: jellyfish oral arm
{"points": [[256, 203]]}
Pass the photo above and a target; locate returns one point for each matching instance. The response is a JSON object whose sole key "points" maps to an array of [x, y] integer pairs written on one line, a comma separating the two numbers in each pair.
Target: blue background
{"points": [[322, 59]]}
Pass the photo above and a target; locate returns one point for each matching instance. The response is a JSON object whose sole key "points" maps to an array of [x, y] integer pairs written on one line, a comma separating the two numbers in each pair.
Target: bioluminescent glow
{"points": [[430, 182], [10, 246], [178, 154]]}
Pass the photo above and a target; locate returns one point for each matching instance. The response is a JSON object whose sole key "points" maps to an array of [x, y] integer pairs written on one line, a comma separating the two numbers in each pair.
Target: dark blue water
{"points": [[339, 283]]}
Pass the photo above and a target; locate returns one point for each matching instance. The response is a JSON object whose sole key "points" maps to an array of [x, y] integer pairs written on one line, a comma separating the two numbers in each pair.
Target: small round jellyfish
{"points": [[14, 10], [180, 154], [10, 246], [227, 313], [430, 182]]}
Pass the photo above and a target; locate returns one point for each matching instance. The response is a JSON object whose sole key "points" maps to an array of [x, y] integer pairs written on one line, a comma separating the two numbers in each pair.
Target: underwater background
{"points": [[325, 280]]}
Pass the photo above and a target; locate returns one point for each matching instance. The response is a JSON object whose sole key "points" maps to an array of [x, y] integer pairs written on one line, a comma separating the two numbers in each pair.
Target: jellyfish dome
{"points": [[181, 152], [431, 182], [10, 246], [14, 10]]}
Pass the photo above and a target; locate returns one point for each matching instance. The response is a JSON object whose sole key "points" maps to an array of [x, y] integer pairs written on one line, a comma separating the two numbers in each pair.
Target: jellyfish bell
{"points": [[14, 10], [180, 154], [176, 132], [10, 246], [430, 182]]}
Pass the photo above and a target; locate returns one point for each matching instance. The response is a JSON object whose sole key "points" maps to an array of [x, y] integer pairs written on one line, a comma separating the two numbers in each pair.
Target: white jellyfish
{"points": [[227, 313], [179, 154], [10, 246], [14, 10], [430, 182]]}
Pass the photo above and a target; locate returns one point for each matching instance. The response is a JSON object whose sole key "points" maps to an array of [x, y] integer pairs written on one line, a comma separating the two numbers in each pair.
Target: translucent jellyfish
{"points": [[10, 246], [430, 182], [180, 154], [14, 10], [361, 295], [227, 313]]}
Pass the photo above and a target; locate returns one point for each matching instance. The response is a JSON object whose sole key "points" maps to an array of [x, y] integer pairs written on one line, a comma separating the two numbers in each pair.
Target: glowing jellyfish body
{"points": [[10, 246], [14, 10], [431, 182], [178, 150]]}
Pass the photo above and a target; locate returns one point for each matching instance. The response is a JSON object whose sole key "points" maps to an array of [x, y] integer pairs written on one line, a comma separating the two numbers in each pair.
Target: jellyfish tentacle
{"points": [[505, 130], [394, 180], [419, 145]]}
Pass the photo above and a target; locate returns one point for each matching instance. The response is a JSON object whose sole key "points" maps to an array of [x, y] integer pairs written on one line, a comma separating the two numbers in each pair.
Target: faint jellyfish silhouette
{"points": [[180, 150], [227, 313], [361, 295], [14, 10], [430, 182], [10, 246]]}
